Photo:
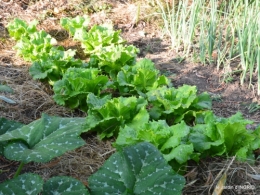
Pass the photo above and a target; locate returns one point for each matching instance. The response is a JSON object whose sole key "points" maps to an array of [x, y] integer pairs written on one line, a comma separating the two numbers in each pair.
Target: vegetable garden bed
{"points": [[117, 94]]}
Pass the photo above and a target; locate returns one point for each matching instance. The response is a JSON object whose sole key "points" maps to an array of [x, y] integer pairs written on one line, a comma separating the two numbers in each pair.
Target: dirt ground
{"points": [[34, 97]]}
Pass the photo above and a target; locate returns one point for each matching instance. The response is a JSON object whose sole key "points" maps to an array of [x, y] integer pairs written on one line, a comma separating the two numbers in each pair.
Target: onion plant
{"points": [[217, 31]]}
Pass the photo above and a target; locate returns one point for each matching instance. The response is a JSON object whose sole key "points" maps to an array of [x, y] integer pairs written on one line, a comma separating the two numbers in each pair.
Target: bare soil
{"points": [[34, 97]]}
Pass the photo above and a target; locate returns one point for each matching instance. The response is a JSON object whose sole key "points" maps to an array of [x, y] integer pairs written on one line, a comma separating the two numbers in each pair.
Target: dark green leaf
{"points": [[43, 139], [65, 186], [26, 184], [139, 170]]}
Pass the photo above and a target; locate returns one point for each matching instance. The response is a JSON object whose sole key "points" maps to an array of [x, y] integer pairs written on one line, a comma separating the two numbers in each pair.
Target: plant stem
{"points": [[19, 170]]}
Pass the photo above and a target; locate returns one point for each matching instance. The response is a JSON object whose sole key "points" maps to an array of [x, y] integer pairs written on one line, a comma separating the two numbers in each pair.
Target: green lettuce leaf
{"points": [[140, 78], [77, 26], [36, 45], [18, 28], [112, 58], [214, 135], [99, 37], [172, 104], [53, 65], [76, 84], [170, 140], [106, 119]]}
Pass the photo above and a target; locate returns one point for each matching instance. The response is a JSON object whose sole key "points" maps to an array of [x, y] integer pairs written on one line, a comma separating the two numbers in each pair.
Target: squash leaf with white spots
{"points": [[43, 139], [26, 184], [65, 186], [7, 126], [137, 169]]}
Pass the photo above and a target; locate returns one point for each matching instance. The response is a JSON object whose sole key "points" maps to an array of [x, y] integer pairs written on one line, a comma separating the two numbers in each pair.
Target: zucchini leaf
{"points": [[64, 185], [33, 184], [27, 183], [43, 139], [7, 126], [138, 169]]}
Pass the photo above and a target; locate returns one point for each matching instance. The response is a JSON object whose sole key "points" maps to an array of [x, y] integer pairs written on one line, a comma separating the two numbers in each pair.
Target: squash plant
{"points": [[137, 169]]}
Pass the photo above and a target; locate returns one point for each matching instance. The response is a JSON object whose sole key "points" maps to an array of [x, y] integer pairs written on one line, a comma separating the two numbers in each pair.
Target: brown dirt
{"points": [[34, 97]]}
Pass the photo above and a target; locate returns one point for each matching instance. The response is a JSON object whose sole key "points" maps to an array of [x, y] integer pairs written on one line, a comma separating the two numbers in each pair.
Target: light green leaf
{"points": [[100, 37], [139, 170], [112, 58], [77, 26], [26, 184], [43, 139], [181, 153], [175, 103], [19, 28], [75, 86], [116, 113], [140, 78]]}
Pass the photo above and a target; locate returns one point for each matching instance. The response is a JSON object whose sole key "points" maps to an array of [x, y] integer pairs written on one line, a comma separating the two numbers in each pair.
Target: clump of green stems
{"points": [[219, 32]]}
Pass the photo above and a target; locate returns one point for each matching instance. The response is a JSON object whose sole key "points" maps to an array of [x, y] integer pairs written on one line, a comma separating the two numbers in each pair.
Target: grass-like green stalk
{"points": [[17, 173], [227, 29]]}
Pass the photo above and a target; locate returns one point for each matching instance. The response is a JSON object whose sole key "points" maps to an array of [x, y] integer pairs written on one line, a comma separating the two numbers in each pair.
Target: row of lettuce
{"points": [[126, 98]]}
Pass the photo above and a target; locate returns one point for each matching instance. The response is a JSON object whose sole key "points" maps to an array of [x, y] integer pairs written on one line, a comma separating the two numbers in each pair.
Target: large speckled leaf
{"points": [[7, 126], [26, 184], [43, 139], [65, 186], [137, 169]]}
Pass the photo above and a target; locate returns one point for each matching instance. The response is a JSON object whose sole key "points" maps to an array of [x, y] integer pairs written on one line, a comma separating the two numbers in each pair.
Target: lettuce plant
{"points": [[140, 78], [49, 62], [77, 26], [53, 65], [174, 104], [210, 136], [76, 84], [214, 135], [19, 28], [94, 40], [99, 37], [170, 140], [35, 45], [106, 117], [112, 58]]}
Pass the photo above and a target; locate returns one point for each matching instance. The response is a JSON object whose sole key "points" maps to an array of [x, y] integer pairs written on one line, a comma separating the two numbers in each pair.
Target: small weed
{"points": [[253, 107]]}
